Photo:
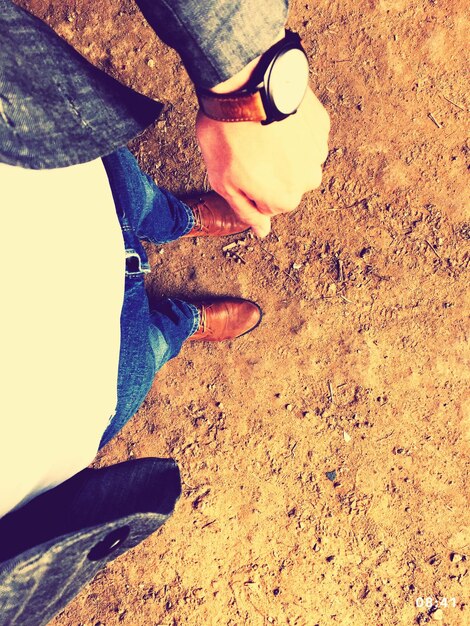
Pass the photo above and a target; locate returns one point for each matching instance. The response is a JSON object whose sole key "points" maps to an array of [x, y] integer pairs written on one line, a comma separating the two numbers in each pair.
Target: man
{"points": [[263, 136]]}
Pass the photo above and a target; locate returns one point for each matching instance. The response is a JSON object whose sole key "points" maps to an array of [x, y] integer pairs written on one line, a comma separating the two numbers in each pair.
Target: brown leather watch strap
{"points": [[242, 107]]}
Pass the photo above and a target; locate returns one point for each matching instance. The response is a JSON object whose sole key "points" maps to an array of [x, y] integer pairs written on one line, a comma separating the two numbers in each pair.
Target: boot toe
{"points": [[226, 319], [249, 316]]}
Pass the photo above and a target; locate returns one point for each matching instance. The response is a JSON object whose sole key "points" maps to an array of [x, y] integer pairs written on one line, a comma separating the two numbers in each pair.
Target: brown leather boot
{"points": [[226, 319], [213, 216]]}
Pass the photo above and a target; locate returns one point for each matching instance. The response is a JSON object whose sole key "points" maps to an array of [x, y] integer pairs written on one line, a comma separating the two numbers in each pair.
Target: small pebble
{"points": [[151, 62], [347, 438], [331, 475], [438, 615], [219, 405], [306, 414], [289, 407], [455, 558]]}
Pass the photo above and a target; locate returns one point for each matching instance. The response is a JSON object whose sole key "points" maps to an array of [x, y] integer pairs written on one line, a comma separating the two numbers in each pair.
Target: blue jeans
{"points": [[149, 338]]}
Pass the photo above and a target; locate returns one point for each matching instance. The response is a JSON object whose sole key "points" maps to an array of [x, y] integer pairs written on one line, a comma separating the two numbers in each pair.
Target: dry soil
{"points": [[325, 455]]}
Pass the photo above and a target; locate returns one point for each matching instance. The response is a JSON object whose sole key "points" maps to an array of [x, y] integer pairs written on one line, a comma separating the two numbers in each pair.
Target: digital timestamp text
{"points": [[429, 602]]}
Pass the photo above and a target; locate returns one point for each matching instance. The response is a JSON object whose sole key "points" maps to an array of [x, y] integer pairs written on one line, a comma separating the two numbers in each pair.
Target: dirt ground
{"points": [[325, 456]]}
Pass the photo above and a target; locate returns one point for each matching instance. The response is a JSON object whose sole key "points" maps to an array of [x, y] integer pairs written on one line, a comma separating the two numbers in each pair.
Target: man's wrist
{"points": [[268, 89]]}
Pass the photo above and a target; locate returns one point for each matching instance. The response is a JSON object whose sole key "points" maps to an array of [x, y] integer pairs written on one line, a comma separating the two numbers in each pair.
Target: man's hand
{"points": [[264, 170]]}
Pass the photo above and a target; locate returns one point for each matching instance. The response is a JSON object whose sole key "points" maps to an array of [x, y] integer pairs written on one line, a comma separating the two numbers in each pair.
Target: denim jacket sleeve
{"points": [[54, 545], [216, 38]]}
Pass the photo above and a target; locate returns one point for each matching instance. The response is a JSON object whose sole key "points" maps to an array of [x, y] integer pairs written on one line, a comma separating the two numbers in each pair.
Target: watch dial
{"points": [[288, 80]]}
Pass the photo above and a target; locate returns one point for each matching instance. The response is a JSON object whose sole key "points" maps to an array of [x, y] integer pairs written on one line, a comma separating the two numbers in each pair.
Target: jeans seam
{"points": [[191, 219], [186, 230], [196, 320]]}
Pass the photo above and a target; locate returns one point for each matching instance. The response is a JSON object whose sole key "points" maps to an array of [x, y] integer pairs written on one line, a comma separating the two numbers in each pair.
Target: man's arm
{"points": [[261, 170], [216, 39]]}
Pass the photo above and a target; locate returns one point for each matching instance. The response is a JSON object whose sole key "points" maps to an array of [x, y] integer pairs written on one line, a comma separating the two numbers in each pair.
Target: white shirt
{"points": [[62, 286]]}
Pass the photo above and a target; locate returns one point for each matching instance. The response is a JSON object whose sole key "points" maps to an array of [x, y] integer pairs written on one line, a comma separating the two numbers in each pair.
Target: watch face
{"points": [[288, 80]]}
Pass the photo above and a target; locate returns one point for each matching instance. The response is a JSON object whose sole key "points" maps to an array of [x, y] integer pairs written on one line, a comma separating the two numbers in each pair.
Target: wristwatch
{"points": [[275, 90]]}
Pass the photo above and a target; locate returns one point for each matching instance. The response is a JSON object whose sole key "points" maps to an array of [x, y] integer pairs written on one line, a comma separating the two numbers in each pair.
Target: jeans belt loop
{"points": [[134, 264]]}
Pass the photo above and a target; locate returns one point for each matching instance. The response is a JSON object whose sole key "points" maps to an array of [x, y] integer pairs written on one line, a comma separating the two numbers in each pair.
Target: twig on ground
{"points": [[433, 119], [340, 271], [230, 246], [209, 523], [386, 436], [434, 250], [294, 278], [454, 103], [237, 256], [330, 389], [267, 251]]}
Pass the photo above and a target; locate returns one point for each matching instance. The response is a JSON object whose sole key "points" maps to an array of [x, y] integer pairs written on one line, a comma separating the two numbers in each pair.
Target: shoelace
{"points": [[198, 221], [197, 217], [202, 319]]}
